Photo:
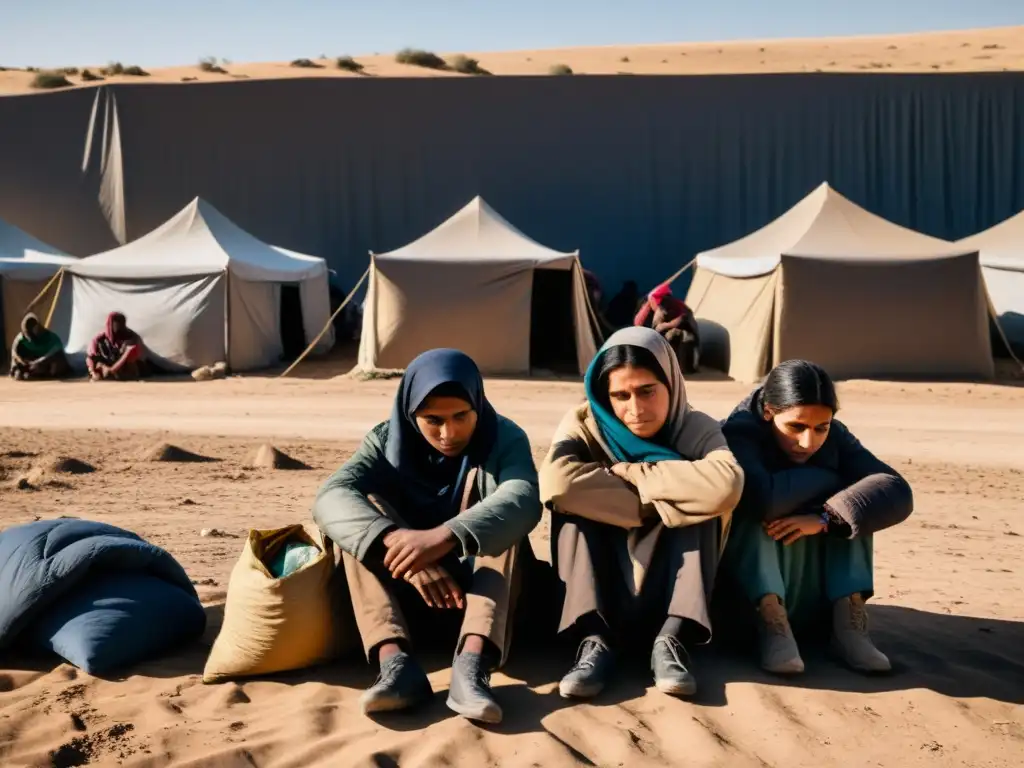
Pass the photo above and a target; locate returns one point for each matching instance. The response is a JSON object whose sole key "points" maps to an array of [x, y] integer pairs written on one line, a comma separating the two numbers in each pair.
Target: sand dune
{"points": [[982, 50], [947, 607]]}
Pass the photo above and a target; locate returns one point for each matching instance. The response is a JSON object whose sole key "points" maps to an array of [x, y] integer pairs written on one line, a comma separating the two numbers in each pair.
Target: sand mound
{"points": [[63, 465], [269, 457], [172, 453]]}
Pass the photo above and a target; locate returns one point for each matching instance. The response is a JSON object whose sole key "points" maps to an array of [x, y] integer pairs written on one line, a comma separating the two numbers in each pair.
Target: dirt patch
{"points": [[269, 457], [82, 749], [165, 452], [63, 465]]}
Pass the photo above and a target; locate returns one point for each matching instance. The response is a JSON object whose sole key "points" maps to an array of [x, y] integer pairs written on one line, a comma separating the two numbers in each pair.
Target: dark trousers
{"points": [[589, 558]]}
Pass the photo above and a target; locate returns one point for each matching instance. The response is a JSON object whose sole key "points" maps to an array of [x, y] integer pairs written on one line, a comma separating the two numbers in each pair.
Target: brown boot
{"points": [[779, 652], [850, 638]]}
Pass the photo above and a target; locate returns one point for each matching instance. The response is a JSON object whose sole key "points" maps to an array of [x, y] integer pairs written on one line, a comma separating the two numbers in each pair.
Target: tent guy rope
{"points": [[330, 321]]}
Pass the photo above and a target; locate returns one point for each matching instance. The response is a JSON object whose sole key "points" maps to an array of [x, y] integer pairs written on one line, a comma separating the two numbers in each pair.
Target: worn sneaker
{"points": [[401, 684], [470, 692], [850, 638], [590, 673], [670, 665], [780, 654]]}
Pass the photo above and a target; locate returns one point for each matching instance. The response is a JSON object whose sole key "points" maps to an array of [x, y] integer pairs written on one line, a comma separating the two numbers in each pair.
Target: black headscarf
{"points": [[430, 480]]}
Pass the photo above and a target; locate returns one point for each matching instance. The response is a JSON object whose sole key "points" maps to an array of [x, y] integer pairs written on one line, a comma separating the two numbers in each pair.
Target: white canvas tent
{"points": [[473, 284], [26, 266], [831, 282], [1001, 250], [199, 290]]}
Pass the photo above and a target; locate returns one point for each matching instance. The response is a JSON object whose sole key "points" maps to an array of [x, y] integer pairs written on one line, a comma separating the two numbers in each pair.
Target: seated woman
{"points": [[641, 488], [674, 320], [432, 514], [801, 540], [117, 353], [37, 352]]}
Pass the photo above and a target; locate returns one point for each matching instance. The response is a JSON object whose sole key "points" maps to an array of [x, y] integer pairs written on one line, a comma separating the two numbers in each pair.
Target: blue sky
{"points": [[164, 32]]}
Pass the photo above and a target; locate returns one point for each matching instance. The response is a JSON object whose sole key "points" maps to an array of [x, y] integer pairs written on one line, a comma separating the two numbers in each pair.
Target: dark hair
{"points": [[448, 389], [798, 382], [619, 357]]}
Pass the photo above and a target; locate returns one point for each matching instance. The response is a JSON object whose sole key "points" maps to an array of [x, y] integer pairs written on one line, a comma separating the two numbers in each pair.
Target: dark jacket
{"points": [[864, 491], [509, 506]]}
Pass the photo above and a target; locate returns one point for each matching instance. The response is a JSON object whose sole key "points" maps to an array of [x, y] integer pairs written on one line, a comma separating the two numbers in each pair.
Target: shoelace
{"points": [[677, 650], [587, 657], [858, 617]]}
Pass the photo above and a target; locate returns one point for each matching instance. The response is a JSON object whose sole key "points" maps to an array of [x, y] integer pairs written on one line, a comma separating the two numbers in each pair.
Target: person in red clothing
{"points": [[117, 353], [675, 321]]}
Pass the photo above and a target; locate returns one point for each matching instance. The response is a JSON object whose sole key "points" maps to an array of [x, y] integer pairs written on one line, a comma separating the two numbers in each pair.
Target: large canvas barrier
{"points": [[639, 173]]}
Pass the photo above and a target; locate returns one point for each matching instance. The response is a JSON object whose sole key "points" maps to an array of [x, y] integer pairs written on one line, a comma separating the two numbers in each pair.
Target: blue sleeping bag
{"points": [[101, 597]]}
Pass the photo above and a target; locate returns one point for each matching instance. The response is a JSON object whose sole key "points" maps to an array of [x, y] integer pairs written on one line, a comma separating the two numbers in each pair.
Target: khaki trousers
{"points": [[380, 603]]}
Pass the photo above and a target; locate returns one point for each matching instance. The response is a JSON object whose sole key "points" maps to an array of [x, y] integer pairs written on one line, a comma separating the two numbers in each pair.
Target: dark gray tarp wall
{"points": [[639, 173]]}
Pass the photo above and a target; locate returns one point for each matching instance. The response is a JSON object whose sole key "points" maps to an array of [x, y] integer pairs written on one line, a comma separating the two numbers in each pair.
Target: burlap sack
{"points": [[275, 625]]}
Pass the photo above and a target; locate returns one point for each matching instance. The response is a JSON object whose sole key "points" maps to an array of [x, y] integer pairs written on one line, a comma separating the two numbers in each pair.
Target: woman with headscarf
{"points": [[37, 352], [801, 547], [641, 489], [432, 514], [674, 320], [116, 353]]}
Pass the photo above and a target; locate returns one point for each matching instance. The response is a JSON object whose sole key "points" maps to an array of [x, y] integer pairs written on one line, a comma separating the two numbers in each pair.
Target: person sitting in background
{"points": [[622, 308], [675, 321], [641, 488], [117, 353], [801, 541], [37, 352], [432, 515]]}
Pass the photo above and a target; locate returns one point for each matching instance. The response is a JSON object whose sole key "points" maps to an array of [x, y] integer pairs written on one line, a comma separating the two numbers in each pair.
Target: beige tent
{"points": [[1001, 250], [199, 290], [26, 266], [478, 284], [830, 282]]}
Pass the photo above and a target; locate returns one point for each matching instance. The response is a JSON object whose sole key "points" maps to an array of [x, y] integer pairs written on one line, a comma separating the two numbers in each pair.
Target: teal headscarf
{"points": [[623, 444]]}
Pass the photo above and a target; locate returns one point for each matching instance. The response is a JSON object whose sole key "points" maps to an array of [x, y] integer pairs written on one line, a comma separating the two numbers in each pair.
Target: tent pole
{"points": [[49, 284], [56, 297], [320, 335]]}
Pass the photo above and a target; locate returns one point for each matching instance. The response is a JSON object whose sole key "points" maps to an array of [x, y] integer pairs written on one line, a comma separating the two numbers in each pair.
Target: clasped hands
{"points": [[413, 555]]}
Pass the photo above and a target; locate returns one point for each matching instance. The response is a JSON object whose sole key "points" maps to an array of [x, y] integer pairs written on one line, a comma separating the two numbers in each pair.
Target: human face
{"points": [[31, 329], [639, 400], [447, 423], [116, 325], [800, 431]]}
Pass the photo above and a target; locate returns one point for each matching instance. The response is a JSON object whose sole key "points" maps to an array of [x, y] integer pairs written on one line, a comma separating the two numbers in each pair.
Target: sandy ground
{"points": [[948, 608], [1000, 49]]}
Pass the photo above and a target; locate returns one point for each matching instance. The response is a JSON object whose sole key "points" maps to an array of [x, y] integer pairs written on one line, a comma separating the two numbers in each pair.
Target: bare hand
{"points": [[791, 529], [410, 551], [437, 588], [620, 470]]}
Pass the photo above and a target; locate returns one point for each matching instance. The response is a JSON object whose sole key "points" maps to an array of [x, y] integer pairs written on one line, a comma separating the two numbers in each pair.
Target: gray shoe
{"points": [[401, 684], [470, 692], [590, 673], [850, 638], [670, 665], [780, 654]]}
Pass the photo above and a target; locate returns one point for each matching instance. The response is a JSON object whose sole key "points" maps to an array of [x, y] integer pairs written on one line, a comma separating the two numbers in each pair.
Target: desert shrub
{"points": [[113, 68], [209, 64], [135, 71], [418, 58], [69, 70], [89, 76], [306, 64], [349, 64], [624, 59], [50, 80], [466, 65], [560, 69]]}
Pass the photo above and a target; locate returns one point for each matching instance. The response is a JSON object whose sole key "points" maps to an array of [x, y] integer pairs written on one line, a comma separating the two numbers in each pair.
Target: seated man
{"points": [[675, 321], [116, 353], [37, 352]]}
